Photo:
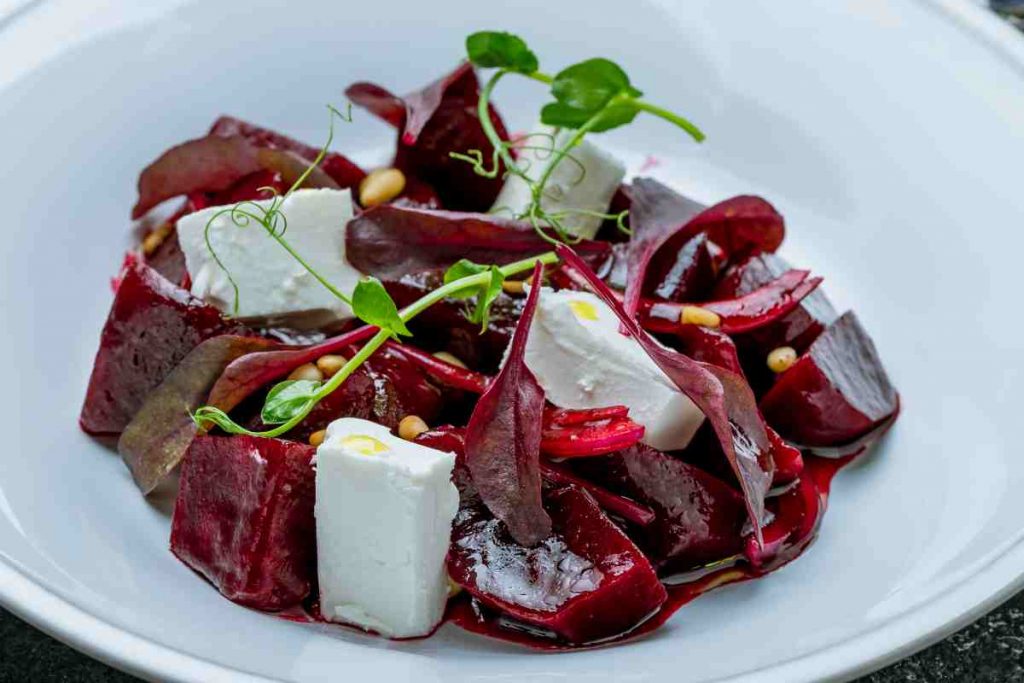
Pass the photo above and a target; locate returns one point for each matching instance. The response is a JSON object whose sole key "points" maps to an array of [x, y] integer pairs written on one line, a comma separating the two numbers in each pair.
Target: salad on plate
{"points": [[493, 382]]}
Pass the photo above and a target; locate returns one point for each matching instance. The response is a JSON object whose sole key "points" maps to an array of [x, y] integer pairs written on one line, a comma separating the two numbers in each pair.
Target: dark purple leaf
{"points": [[503, 440], [390, 242], [214, 163], [657, 214], [434, 122], [157, 438], [723, 396], [344, 172]]}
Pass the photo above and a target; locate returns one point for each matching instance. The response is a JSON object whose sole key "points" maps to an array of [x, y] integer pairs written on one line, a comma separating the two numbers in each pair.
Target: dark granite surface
{"points": [[989, 651]]}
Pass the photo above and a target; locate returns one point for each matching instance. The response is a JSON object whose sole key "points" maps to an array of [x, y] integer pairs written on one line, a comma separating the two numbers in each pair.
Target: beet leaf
{"points": [[503, 440], [158, 437]]}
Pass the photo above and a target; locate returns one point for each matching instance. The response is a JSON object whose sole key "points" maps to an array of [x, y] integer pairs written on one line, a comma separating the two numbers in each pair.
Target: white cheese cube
{"points": [[587, 181], [582, 361], [272, 285], [384, 511]]}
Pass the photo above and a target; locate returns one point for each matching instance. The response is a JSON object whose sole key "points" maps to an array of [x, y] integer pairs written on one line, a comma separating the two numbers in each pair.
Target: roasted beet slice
{"points": [[698, 518], [434, 122], [797, 329], [683, 274], [835, 392], [152, 325], [244, 518], [585, 582], [343, 171]]}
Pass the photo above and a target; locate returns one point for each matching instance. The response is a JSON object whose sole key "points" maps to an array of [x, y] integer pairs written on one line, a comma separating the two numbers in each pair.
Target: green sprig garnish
{"points": [[485, 294], [593, 96]]}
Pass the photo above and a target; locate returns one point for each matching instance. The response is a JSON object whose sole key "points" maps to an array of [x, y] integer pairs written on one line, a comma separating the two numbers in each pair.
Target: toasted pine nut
{"points": [[155, 238], [449, 358], [330, 364], [381, 185], [307, 371], [317, 438], [512, 286], [695, 315], [453, 588], [781, 359], [411, 426]]}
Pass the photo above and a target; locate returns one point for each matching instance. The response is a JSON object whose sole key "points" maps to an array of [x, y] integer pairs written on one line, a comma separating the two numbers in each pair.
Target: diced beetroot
{"points": [[620, 506], [152, 325], [797, 516], [386, 388], [797, 329], [835, 392], [698, 518], [343, 171], [683, 274], [709, 346], [584, 583], [244, 518]]}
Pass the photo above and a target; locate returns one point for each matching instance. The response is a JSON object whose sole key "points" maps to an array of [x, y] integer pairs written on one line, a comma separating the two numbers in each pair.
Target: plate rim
{"points": [[967, 599]]}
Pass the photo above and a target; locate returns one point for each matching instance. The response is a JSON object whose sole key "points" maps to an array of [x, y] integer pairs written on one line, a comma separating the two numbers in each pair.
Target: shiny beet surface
{"points": [[152, 325], [244, 518], [698, 518], [836, 392], [686, 273], [584, 583]]}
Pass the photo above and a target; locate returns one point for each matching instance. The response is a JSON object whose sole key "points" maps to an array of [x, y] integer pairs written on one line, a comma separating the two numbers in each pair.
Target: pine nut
{"points": [[307, 371], [317, 438], [513, 286], [450, 359], [155, 238], [330, 364], [411, 426], [695, 315], [781, 359], [381, 185]]}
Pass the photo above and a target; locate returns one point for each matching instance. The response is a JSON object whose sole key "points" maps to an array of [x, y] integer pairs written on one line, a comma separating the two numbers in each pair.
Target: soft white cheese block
{"points": [[589, 184], [271, 283], [582, 361], [384, 511]]}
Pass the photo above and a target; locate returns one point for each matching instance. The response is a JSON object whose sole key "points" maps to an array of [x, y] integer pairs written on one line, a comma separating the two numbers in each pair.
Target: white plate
{"points": [[888, 133]]}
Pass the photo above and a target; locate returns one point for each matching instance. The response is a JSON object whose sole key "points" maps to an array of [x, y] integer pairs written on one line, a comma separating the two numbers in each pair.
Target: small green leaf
{"points": [[497, 49], [485, 299], [288, 399], [374, 306], [590, 86], [459, 270], [613, 116]]}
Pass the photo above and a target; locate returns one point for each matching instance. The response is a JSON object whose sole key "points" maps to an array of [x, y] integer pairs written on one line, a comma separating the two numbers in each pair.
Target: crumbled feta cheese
{"points": [[384, 511], [582, 361], [587, 181], [271, 283]]}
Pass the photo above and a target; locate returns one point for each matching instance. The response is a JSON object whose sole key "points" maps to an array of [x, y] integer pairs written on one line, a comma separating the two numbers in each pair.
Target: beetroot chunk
{"points": [[683, 274], [585, 582], [698, 518], [152, 325], [835, 392], [797, 329], [244, 518]]}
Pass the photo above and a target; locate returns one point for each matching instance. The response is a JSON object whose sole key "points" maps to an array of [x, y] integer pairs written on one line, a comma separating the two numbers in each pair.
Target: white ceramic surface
{"points": [[889, 133]]}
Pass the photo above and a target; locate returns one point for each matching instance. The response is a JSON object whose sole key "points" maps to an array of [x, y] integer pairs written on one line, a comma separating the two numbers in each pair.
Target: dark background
{"points": [[991, 649]]}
